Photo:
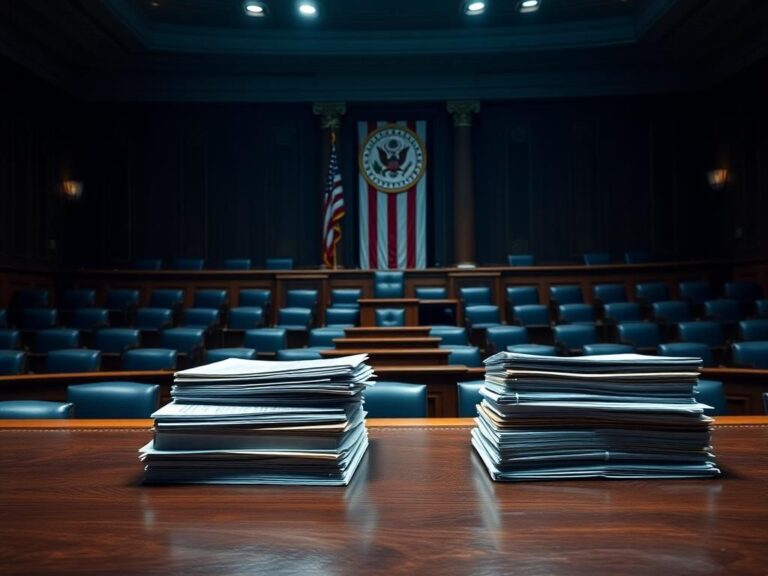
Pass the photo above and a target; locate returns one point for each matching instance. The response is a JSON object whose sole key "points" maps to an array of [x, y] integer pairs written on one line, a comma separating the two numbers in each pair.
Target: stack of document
{"points": [[259, 422], [612, 416]]}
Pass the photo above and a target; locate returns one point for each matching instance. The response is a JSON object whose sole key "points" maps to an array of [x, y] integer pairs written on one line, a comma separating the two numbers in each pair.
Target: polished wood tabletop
{"points": [[421, 503]]}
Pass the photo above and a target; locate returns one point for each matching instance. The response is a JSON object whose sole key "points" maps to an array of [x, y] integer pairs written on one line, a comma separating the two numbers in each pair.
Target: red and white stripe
{"points": [[393, 227]]}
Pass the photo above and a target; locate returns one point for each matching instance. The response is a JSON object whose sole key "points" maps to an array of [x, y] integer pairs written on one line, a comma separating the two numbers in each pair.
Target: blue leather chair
{"points": [[73, 360], [712, 393], [279, 264], [296, 319], [388, 284], [431, 292], [570, 338], [750, 354], [497, 338], [117, 340], [755, 329], [390, 316], [74, 299], [464, 355], [395, 400], [34, 409], [88, 319], [218, 354], [746, 291], [644, 337], [12, 362], [649, 292], [637, 257], [288, 354], [607, 348], [211, 298], [694, 291], [346, 297], [609, 293], [521, 259], [301, 299], [565, 294], [237, 264], [31, 298], [535, 349], [206, 318], [706, 331], [38, 318], [469, 397], [150, 359], [725, 310], [121, 303], [55, 339], [323, 337], [245, 318], [475, 296], [450, 335], [522, 295], [153, 319], [596, 258], [531, 315], [170, 298], [671, 311], [255, 297], [188, 264], [690, 349], [114, 399], [147, 264], [188, 342], [481, 316], [341, 317], [266, 340], [576, 314], [617, 312], [10, 339]]}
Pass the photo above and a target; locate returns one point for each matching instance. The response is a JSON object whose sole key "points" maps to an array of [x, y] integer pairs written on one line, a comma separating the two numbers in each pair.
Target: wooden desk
{"points": [[395, 356], [368, 307], [405, 342], [421, 503], [387, 332]]}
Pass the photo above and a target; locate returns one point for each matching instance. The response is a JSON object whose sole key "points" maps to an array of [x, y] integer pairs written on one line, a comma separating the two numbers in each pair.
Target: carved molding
{"points": [[330, 114], [462, 111]]}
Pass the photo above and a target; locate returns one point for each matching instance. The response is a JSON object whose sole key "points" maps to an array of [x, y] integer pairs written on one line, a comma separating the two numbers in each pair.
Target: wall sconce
{"points": [[717, 178], [73, 190]]}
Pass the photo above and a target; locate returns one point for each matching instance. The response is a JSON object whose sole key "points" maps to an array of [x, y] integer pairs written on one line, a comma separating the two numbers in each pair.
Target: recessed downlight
{"points": [[307, 9], [525, 6], [255, 8], [473, 7]]}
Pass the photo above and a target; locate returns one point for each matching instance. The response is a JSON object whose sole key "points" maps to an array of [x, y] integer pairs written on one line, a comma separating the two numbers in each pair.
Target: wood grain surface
{"points": [[421, 503]]}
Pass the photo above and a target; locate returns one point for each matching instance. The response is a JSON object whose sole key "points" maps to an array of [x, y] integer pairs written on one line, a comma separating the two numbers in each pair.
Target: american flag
{"points": [[333, 209]]}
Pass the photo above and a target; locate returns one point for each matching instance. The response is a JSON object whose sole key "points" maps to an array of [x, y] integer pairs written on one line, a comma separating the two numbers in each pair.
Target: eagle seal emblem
{"points": [[392, 158]]}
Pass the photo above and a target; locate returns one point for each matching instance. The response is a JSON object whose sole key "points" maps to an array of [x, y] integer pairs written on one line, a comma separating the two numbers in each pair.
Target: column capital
{"points": [[330, 114], [462, 111]]}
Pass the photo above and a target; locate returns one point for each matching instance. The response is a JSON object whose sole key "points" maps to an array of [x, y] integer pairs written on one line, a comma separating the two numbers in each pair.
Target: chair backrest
{"points": [[637, 257], [694, 291], [606, 348], [114, 399], [531, 314], [611, 292], [122, 299], [395, 400], [289, 354], [218, 354], [237, 264], [572, 337], [56, 339], [117, 340], [76, 298], [171, 298], [153, 318], [254, 297], [388, 284], [301, 299], [535, 349], [346, 297], [341, 317], [266, 339], [469, 397], [431, 292], [89, 318], [75, 360], [245, 318], [279, 263], [3, 318], [755, 329], [187, 340], [707, 332], [12, 362], [671, 311], [294, 318], [499, 337], [150, 359], [475, 295], [520, 259], [450, 335], [650, 292], [761, 307], [712, 393], [211, 298], [639, 334], [38, 318], [200, 318], [690, 349], [10, 339], [147, 264], [576, 313], [750, 354], [519, 295], [616, 312], [390, 317], [743, 290], [323, 337], [723, 310], [465, 356], [31, 298], [188, 264], [482, 316], [565, 294], [34, 409], [597, 258]]}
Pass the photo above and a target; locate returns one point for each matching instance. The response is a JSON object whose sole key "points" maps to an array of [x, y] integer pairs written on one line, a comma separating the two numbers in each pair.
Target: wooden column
{"points": [[463, 182]]}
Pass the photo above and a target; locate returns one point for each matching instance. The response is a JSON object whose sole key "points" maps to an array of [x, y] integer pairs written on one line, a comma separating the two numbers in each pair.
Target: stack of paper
{"points": [[259, 422], [613, 416]]}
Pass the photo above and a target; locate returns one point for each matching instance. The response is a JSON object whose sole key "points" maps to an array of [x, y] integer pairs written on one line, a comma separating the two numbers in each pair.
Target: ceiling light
{"points": [[525, 6], [308, 9], [473, 7], [255, 8]]}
